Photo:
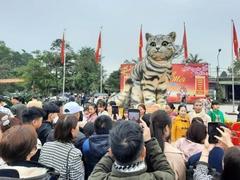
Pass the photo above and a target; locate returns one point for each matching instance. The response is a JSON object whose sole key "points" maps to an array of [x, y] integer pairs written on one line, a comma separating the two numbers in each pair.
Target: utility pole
{"points": [[218, 86]]}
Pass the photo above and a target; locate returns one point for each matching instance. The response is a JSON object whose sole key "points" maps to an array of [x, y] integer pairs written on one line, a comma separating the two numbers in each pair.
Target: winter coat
{"points": [[44, 131], [216, 116], [106, 167], [179, 127], [176, 160], [28, 170], [93, 150]]}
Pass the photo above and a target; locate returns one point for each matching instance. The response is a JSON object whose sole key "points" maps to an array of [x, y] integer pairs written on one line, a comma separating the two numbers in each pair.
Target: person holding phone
{"points": [[130, 143], [115, 112], [109, 107], [216, 149], [231, 161], [142, 109]]}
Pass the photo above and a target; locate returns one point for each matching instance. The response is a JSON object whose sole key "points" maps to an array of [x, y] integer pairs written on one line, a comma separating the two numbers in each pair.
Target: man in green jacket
{"points": [[130, 143]]}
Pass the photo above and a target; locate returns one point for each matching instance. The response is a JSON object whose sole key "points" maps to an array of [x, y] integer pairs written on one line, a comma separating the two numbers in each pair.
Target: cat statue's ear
{"points": [[148, 35], [172, 35]]}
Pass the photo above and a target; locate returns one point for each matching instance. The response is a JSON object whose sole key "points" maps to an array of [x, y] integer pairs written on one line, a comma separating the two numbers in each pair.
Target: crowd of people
{"points": [[72, 140]]}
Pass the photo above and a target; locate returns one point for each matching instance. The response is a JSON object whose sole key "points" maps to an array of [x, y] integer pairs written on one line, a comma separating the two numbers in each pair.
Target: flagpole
{"points": [[64, 67], [233, 91], [101, 70], [140, 45], [184, 43]]}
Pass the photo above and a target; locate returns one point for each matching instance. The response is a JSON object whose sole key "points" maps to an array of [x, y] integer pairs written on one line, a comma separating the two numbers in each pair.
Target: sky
{"points": [[34, 24]]}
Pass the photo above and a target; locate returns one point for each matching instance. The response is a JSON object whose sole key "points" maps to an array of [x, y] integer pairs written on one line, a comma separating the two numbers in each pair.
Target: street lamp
{"points": [[219, 50]]}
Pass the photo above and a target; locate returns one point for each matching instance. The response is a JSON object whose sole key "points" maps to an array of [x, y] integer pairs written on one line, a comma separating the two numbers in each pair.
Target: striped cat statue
{"points": [[149, 79]]}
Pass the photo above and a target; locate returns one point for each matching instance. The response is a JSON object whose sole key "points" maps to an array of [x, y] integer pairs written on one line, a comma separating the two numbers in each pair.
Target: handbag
{"points": [[67, 167]]}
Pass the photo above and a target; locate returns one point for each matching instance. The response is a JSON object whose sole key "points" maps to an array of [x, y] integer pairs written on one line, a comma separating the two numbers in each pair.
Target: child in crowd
{"points": [[215, 114], [92, 109], [101, 106]]}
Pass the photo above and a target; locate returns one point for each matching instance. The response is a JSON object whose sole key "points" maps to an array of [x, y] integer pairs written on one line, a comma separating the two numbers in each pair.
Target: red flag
{"points": [[185, 44], [235, 42], [99, 46], [63, 50], [140, 45]]}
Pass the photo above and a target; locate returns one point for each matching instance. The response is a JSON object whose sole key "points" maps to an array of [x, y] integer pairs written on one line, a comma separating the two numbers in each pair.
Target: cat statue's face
{"points": [[160, 48]]}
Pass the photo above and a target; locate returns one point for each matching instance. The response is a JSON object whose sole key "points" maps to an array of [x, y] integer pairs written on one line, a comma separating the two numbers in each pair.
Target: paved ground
{"points": [[227, 108]]}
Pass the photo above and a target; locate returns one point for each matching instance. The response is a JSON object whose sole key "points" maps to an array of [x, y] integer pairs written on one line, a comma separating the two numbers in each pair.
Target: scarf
{"points": [[138, 166]]}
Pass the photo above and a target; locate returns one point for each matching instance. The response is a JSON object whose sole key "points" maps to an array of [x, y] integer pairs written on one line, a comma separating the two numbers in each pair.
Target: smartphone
{"points": [[134, 115], [212, 131], [115, 110]]}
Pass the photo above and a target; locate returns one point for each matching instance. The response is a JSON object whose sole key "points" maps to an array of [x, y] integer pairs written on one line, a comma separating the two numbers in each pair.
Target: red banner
{"points": [[125, 71], [189, 81]]}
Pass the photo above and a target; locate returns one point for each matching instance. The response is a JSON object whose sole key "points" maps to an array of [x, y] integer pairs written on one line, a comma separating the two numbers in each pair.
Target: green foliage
{"points": [[224, 74], [236, 69], [193, 59], [112, 83], [10, 61], [87, 72], [43, 71], [219, 94]]}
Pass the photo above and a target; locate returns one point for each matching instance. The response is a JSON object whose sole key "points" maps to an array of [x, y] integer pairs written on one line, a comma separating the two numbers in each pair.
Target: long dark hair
{"points": [[197, 131], [159, 121], [231, 164], [63, 129]]}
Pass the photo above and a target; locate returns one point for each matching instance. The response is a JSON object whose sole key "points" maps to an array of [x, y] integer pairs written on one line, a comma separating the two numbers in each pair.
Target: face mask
{"points": [[55, 120]]}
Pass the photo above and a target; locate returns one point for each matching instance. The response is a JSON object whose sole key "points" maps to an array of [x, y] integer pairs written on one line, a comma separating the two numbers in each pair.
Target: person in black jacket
{"points": [[51, 117], [96, 146]]}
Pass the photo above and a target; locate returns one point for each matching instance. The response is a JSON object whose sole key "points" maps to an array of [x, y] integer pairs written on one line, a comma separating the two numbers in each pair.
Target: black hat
{"points": [[215, 102]]}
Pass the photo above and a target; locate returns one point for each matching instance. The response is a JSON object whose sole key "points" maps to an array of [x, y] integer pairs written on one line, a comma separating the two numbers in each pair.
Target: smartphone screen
{"points": [[134, 115], [212, 131], [115, 109]]}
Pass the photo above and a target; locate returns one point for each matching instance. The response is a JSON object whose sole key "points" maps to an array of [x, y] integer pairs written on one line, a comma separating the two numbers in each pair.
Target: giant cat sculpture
{"points": [[149, 79]]}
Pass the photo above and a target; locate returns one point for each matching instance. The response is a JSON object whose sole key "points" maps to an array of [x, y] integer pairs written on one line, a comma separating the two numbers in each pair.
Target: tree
{"points": [[37, 77], [43, 71], [10, 61], [236, 69], [193, 59], [224, 74], [113, 82], [87, 73]]}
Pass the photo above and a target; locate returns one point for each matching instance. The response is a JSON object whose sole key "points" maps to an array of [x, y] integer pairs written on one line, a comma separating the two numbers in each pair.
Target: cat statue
{"points": [[149, 78]]}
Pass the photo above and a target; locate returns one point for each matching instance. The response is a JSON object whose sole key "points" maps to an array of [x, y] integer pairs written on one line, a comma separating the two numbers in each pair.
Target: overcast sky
{"points": [[34, 24]]}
